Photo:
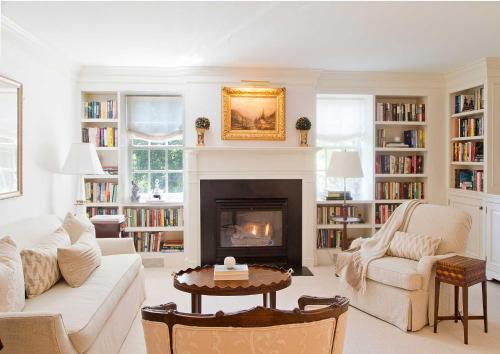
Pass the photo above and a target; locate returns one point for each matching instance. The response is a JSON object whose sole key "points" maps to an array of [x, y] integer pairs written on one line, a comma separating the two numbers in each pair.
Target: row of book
{"points": [[401, 112], [399, 190], [469, 102], [414, 138], [328, 238], [147, 217], [467, 127], [383, 212], [101, 192], [100, 137], [155, 242], [101, 211], [468, 151], [392, 164], [325, 214], [472, 180], [100, 109]]}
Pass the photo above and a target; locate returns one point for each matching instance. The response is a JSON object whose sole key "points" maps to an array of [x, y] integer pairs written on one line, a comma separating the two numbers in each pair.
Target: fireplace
{"points": [[256, 221]]}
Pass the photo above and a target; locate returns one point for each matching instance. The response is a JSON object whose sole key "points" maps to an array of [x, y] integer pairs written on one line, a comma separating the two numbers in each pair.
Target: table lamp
{"points": [[82, 160]]}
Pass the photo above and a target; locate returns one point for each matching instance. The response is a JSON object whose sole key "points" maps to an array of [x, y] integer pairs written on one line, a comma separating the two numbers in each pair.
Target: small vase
{"points": [[201, 136], [303, 137]]}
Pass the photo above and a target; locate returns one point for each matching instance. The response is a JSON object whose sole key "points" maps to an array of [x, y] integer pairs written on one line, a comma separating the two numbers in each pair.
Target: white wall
{"points": [[50, 125]]}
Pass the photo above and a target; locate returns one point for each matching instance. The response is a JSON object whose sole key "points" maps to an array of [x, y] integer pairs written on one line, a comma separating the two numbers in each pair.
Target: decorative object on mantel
{"points": [[253, 113], [202, 124], [229, 262], [156, 190], [303, 125], [345, 164], [134, 195], [11, 107], [82, 160]]}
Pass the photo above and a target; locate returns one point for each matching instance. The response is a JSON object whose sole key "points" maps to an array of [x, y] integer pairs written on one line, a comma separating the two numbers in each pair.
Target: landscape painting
{"points": [[253, 113]]}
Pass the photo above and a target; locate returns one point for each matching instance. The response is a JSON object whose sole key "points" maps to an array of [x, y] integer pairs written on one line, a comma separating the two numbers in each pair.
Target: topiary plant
{"points": [[202, 122], [303, 123]]}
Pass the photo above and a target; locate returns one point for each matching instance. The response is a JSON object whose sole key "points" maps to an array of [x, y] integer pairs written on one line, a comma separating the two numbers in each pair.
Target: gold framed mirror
{"points": [[11, 114]]}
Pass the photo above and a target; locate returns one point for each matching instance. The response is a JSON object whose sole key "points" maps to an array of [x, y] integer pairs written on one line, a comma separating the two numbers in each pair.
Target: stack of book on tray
{"points": [[238, 272]]}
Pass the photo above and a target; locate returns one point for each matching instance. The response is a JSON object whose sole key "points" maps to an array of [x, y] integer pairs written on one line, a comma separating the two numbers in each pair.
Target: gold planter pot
{"points": [[201, 136], [303, 137]]}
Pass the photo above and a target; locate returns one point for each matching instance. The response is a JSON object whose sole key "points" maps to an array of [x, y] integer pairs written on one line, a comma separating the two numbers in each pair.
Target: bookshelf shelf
{"points": [[102, 177], [340, 202], [155, 229], [468, 138], [467, 163], [468, 113], [100, 148], [401, 175], [100, 121], [104, 205], [400, 123], [389, 149]]}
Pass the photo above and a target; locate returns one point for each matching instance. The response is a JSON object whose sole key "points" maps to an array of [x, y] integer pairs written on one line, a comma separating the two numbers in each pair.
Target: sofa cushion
{"points": [[76, 226], [398, 272], [40, 267], [79, 260], [85, 309], [11, 277]]}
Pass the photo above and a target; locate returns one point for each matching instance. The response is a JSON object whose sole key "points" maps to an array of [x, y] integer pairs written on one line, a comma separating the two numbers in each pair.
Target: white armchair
{"points": [[407, 283]]}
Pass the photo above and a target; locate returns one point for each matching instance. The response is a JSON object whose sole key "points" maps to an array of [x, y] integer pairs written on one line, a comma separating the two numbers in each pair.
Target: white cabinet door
{"points": [[493, 240], [474, 207]]}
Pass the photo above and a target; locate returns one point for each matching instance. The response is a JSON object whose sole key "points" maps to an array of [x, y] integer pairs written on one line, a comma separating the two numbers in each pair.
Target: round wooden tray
{"points": [[262, 279]]}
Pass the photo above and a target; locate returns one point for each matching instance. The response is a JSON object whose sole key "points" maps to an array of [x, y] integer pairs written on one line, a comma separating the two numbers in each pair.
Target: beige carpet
{"points": [[365, 334]]}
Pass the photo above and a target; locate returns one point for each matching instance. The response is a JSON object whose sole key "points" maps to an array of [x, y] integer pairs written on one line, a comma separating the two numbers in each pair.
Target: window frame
{"points": [[149, 147]]}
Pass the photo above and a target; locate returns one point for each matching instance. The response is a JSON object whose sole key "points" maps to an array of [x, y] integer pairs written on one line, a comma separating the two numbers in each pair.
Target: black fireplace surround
{"points": [[253, 220]]}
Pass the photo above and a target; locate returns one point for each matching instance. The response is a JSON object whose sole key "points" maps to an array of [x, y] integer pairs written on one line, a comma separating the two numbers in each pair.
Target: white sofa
{"points": [[93, 318], [401, 291]]}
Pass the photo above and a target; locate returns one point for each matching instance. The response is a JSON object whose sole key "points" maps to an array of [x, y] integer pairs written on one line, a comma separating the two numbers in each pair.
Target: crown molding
{"points": [[49, 54], [467, 75]]}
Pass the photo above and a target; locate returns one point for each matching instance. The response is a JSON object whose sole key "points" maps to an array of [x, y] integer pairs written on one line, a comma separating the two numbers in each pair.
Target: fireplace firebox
{"points": [[256, 221]]}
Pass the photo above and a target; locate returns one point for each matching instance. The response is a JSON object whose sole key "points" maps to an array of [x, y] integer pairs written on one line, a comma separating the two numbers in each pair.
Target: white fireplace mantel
{"points": [[256, 162]]}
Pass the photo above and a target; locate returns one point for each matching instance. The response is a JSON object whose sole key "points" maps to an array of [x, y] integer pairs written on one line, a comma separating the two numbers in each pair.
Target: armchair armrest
{"points": [[51, 336], [111, 246], [337, 301], [426, 264], [163, 307]]}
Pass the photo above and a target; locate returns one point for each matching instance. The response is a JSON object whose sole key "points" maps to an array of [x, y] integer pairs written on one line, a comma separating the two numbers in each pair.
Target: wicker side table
{"points": [[461, 272]]}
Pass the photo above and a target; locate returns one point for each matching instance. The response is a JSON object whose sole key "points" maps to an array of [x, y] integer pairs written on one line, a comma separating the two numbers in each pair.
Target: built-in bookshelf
{"points": [[467, 140], [400, 155], [100, 121]]}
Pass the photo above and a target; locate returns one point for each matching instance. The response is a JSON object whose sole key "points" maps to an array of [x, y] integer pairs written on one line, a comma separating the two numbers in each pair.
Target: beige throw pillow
{"points": [[11, 277], [76, 226], [40, 267], [79, 260], [412, 246]]}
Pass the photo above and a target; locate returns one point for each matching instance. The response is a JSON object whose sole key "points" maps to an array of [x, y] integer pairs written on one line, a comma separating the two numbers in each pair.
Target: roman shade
{"points": [[154, 117]]}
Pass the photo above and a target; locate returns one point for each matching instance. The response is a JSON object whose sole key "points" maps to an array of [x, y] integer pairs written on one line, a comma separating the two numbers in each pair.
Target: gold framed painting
{"points": [[253, 113]]}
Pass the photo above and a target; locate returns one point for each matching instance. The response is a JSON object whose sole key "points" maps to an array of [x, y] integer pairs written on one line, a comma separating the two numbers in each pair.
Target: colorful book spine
{"points": [[325, 214], [100, 137], [156, 242], [101, 211], [383, 212], [399, 190], [328, 238], [392, 164], [100, 109], [468, 151], [468, 127], [469, 179], [414, 138], [400, 112], [101, 192], [471, 101], [150, 217]]}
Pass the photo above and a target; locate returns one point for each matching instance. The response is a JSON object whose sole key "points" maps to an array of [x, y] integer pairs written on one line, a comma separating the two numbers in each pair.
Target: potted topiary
{"points": [[202, 124], [303, 125]]}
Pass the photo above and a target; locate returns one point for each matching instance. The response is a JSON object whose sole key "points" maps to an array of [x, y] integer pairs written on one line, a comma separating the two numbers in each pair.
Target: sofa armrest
{"points": [[426, 264], [48, 334], [111, 246]]}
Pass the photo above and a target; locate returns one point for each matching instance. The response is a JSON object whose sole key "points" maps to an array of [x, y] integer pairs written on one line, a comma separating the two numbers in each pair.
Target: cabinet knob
{"points": [[480, 208]]}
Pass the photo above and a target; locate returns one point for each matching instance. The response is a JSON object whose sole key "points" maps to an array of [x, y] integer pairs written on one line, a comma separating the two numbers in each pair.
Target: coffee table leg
{"points": [[273, 299], [264, 299], [194, 305]]}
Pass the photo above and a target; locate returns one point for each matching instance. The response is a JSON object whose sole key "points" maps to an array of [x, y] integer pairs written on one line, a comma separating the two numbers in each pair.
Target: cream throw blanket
{"points": [[353, 265]]}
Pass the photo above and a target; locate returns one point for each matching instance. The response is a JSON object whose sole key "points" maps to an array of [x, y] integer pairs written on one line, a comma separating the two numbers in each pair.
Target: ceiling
{"points": [[360, 36]]}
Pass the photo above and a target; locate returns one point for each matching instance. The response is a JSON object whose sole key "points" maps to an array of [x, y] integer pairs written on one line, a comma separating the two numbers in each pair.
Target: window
{"points": [[345, 122], [155, 145]]}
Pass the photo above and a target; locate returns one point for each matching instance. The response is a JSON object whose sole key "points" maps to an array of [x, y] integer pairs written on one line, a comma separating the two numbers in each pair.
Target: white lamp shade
{"points": [[82, 160], [345, 164]]}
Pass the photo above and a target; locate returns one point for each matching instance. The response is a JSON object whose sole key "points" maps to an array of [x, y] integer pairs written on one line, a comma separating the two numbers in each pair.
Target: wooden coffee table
{"points": [[265, 280]]}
